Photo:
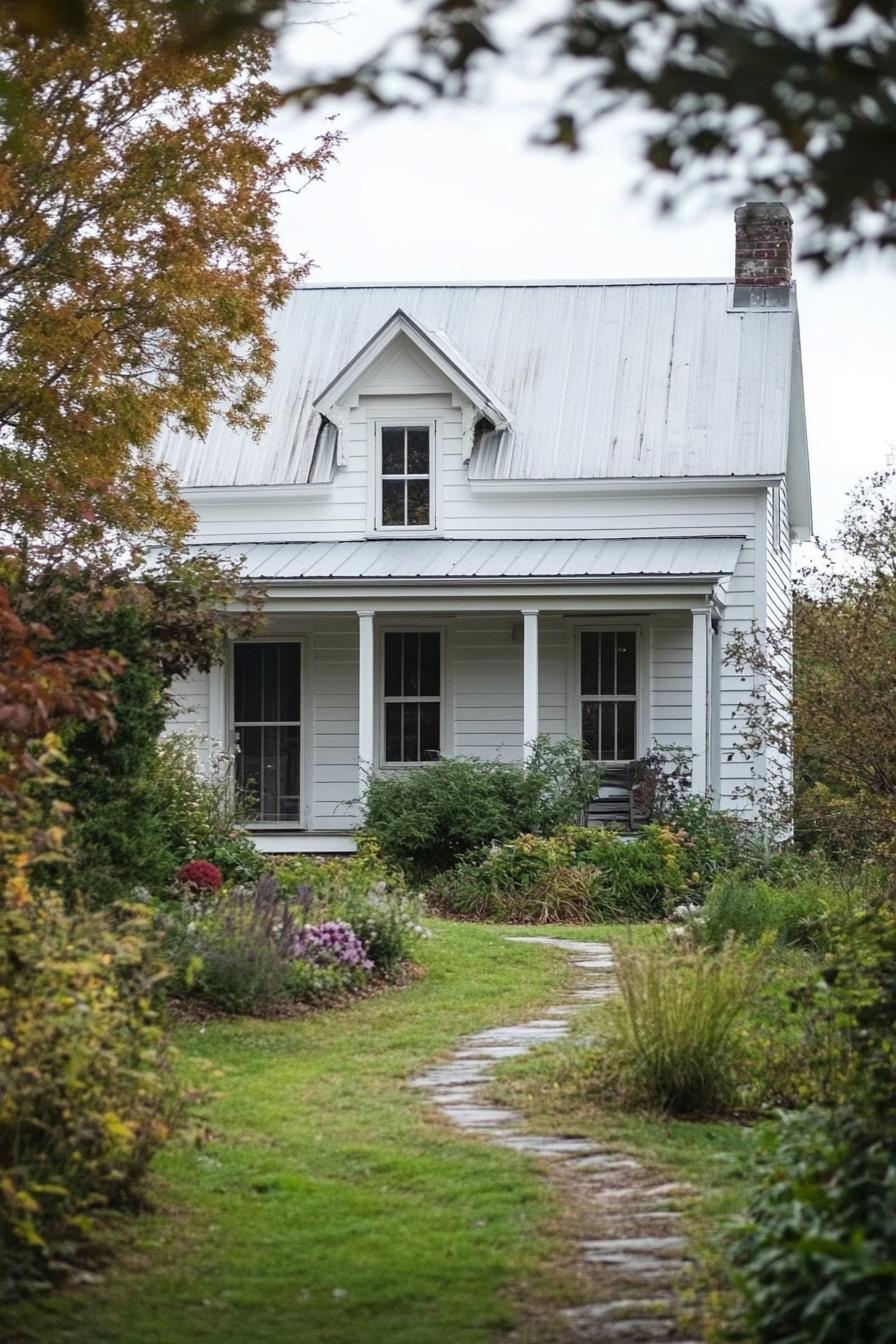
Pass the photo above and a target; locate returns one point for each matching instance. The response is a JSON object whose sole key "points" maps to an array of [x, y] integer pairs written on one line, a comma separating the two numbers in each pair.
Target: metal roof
{"points": [[434, 559], [631, 380]]}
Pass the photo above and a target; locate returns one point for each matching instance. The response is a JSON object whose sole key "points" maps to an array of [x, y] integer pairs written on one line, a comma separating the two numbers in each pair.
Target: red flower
{"points": [[200, 874]]}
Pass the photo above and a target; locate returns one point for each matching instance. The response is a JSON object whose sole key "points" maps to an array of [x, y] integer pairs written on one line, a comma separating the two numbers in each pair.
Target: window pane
{"points": [[429, 730], [591, 729], [411, 665], [288, 767], [418, 503], [607, 663], [625, 663], [270, 774], [248, 766], [247, 669], [289, 678], [418, 452], [393, 452], [393, 732], [393, 503], [430, 671], [625, 730], [590, 653], [607, 730], [411, 743], [393, 655]]}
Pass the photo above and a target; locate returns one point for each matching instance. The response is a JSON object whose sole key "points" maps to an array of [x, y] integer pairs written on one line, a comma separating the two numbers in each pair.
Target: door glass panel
{"points": [[607, 663], [607, 730], [267, 687]]}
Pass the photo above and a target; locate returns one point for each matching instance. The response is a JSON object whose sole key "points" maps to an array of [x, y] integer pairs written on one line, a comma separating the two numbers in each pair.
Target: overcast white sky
{"points": [[457, 193]]}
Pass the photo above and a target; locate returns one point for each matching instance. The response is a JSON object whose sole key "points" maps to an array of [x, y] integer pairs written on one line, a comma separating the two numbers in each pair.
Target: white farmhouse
{"points": [[483, 512]]}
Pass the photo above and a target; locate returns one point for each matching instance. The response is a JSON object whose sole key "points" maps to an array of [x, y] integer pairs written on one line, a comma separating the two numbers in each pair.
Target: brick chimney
{"points": [[763, 255]]}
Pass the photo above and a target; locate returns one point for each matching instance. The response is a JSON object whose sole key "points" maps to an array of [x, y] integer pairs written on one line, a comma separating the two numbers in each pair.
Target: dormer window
{"points": [[405, 460]]}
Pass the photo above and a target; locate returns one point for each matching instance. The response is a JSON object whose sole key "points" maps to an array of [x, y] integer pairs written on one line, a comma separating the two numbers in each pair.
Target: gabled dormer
{"points": [[412, 397]]}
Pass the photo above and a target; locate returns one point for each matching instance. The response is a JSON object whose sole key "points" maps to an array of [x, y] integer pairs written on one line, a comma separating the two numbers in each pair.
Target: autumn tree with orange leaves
{"points": [[139, 190]]}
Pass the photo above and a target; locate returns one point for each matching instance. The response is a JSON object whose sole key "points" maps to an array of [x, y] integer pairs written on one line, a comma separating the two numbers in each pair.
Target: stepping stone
{"points": [[480, 1117], [623, 1307], [462, 1073], [637, 1244], [493, 1052], [544, 1145], [669, 1188], [568, 944], [649, 1329], [595, 964], [525, 1035], [606, 1162], [641, 1266], [649, 1215]]}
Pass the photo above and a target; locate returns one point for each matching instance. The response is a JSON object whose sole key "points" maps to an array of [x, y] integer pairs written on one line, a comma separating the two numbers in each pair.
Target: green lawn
{"points": [[331, 1207]]}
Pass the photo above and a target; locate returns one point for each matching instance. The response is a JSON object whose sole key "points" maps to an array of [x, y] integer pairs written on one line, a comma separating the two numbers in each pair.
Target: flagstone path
{"points": [[628, 1245]]}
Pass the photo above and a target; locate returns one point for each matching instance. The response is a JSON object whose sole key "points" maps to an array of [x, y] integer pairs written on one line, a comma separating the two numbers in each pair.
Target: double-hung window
{"points": [[412, 696], [608, 681], [267, 700], [405, 476]]}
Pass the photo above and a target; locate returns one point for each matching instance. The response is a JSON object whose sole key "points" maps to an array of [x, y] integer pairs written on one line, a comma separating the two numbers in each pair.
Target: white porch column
{"points": [[700, 647], [365, 697], [530, 680]]}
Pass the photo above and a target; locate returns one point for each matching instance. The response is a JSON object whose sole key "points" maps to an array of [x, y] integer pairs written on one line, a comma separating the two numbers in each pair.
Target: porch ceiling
{"points": [[437, 560]]}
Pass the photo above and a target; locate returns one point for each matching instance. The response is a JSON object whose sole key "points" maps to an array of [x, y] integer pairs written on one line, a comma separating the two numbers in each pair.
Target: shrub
{"points": [[200, 875], [333, 943], [816, 1260], [795, 916], [364, 892], [425, 820], [87, 1093], [238, 955], [673, 1041], [635, 879], [580, 874]]}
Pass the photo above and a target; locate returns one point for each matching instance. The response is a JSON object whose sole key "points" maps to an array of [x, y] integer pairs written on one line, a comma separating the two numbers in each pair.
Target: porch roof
{"points": [[438, 559]]}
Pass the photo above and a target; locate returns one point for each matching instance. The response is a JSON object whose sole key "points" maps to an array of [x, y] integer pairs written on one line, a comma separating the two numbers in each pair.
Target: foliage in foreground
{"points": [[424, 821], [580, 875], [86, 1093], [817, 1259]]}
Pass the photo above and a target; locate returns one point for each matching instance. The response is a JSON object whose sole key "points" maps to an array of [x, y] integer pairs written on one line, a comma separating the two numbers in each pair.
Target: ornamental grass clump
{"points": [[674, 1041]]}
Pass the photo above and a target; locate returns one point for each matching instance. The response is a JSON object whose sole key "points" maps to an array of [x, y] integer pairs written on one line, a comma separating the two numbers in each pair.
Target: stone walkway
{"points": [[628, 1246]]}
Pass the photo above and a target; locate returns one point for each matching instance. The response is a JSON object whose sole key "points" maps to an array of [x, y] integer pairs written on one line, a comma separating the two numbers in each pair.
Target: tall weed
{"points": [[673, 1040]]}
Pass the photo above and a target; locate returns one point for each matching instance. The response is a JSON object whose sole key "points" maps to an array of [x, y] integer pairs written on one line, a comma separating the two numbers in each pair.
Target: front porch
{"points": [[324, 697]]}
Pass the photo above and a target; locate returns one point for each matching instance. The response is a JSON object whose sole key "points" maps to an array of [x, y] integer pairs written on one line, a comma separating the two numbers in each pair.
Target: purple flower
{"points": [[332, 944]]}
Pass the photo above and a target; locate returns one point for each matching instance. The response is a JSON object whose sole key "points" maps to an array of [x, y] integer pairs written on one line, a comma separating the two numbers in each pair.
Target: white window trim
{"points": [[306, 726], [374, 474], [446, 717], [642, 632]]}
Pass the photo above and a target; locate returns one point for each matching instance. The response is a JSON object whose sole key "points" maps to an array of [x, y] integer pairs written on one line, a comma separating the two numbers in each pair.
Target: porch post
{"points": [[365, 696], [700, 697], [530, 680]]}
